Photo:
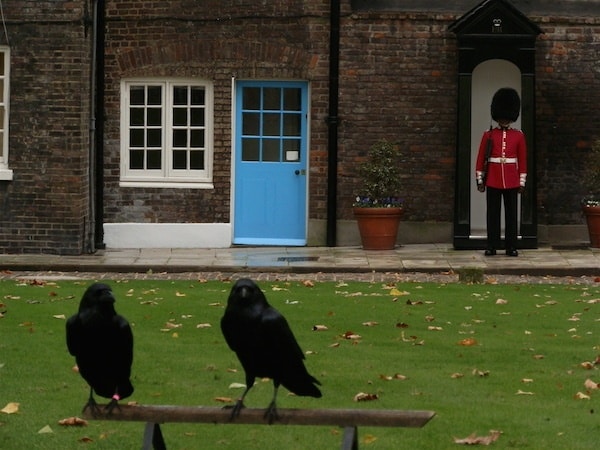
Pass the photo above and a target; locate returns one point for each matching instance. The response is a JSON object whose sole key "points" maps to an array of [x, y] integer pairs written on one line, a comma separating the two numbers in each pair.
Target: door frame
{"points": [[235, 153]]}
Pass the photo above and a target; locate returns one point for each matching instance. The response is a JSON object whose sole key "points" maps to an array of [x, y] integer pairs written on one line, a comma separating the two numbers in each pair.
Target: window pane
{"points": [[197, 139], [198, 96], [154, 138], [197, 117], [197, 160], [180, 94], [136, 116], [154, 117], [154, 157], [180, 138], [1, 84], [272, 98], [154, 95], [180, 117], [250, 149], [271, 150], [251, 124], [292, 99], [291, 149], [136, 138], [251, 98], [271, 125], [180, 159], [136, 159], [291, 125], [137, 95]]}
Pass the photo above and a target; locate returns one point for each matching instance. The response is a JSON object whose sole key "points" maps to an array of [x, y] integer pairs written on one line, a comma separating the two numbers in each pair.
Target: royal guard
{"points": [[501, 170]]}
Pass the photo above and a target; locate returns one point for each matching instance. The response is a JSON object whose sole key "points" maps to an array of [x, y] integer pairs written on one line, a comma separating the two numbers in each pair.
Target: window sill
{"points": [[6, 175], [166, 184]]}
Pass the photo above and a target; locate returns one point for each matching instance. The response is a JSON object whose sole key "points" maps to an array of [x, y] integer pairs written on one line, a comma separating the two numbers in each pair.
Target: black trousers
{"points": [[494, 199]]}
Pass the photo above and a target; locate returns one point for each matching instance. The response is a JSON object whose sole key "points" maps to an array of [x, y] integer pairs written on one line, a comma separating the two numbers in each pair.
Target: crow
{"points": [[264, 344], [102, 343]]}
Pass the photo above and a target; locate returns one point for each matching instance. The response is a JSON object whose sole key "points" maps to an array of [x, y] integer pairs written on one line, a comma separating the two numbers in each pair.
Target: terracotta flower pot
{"points": [[592, 216], [378, 227]]}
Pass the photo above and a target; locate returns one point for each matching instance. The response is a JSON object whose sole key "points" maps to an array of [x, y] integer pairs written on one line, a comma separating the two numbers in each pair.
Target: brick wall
{"points": [[44, 208]]}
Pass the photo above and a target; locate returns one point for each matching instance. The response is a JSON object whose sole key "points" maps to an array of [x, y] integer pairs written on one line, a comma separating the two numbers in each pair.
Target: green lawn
{"points": [[521, 373]]}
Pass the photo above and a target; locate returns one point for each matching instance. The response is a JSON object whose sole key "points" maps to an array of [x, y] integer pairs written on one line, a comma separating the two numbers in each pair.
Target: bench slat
{"points": [[204, 414]]}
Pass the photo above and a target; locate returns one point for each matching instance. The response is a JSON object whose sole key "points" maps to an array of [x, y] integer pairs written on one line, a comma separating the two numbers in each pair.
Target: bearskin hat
{"points": [[506, 104]]}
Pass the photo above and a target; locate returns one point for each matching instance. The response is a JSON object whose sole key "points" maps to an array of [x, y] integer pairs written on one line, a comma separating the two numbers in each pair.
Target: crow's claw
{"points": [[93, 406], [236, 409], [271, 414], [111, 406]]}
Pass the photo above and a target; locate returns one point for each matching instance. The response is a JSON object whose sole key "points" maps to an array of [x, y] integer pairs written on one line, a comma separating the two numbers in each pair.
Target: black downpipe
{"points": [[333, 121], [99, 112]]}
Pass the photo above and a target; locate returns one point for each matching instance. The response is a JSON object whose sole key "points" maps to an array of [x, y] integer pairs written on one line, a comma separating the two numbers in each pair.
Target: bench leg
{"points": [[153, 438], [350, 439]]}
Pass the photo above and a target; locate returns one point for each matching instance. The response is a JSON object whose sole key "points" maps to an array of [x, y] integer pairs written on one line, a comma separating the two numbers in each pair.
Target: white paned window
{"points": [[166, 133], [5, 172]]}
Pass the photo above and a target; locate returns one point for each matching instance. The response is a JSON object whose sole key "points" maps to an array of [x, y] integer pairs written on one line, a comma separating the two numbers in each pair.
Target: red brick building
{"points": [[210, 123]]}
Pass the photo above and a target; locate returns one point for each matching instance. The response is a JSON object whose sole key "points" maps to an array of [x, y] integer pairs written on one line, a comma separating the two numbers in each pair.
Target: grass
{"points": [[537, 333]]}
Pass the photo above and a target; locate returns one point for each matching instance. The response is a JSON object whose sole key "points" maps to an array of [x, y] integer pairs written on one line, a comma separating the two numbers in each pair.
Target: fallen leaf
{"points": [[582, 396], [320, 328], [538, 357], [590, 385], [179, 294], [10, 408], [501, 301], [203, 325], [457, 375], [59, 316], [520, 392], [369, 439], [473, 439], [432, 328], [351, 335], [237, 386], [85, 439], [73, 422], [527, 380], [370, 324], [401, 325], [223, 399], [397, 292], [308, 283], [481, 373], [587, 365], [468, 342], [46, 429], [364, 397], [335, 345]]}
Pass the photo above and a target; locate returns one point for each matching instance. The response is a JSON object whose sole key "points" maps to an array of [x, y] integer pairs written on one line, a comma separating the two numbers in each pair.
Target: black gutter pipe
{"points": [[333, 121], [99, 112]]}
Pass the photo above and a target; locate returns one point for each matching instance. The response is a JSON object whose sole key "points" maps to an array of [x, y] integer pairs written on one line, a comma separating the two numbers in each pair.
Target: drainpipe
{"points": [[333, 121], [98, 176], [88, 243]]}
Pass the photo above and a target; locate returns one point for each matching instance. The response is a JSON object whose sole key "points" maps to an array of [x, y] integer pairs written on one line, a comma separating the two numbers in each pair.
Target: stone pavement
{"points": [[422, 258]]}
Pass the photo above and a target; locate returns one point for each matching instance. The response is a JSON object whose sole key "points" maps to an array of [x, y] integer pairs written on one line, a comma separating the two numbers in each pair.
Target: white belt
{"points": [[503, 160]]}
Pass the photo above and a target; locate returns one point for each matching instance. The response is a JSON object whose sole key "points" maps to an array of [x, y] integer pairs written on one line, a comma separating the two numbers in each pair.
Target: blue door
{"points": [[270, 163]]}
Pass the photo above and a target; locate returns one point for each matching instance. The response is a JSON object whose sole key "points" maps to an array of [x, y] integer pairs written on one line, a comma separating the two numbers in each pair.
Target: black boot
{"points": [[512, 252], [490, 252]]}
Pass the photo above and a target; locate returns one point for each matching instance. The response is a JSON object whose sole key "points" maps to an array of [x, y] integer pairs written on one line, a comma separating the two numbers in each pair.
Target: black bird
{"points": [[264, 344], [102, 343]]}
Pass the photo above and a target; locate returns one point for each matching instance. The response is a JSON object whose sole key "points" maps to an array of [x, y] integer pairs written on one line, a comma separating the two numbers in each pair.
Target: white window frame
{"points": [[166, 176], [5, 172]]}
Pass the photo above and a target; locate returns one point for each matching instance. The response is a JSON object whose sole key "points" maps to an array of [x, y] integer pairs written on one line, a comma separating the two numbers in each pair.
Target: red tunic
{"points": [[509, 143]]}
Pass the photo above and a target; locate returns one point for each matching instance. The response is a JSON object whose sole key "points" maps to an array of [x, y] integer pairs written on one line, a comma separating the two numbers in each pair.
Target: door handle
{"points": [[300, 172]]}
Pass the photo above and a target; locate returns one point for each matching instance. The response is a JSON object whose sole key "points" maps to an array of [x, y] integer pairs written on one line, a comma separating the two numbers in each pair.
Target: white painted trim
{"points": [[167, 235]]}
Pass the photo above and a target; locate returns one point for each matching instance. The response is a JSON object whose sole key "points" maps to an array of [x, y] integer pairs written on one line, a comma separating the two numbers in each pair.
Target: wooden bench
{"points": [[349, 419]]}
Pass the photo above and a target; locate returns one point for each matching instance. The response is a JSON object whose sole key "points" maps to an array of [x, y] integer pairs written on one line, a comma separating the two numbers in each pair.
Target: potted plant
{"points": [[377, 208], [591, 202]]}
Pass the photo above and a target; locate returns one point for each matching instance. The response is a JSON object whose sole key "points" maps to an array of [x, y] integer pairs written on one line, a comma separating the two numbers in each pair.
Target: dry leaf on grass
{"points": [[73, 422], [370, 323], [320, 328], [473, 439], [468, 342], [351, 335], [364, 397], [224, 399], [10, 408], [45, 430], [590, 385], [582, 396]]}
